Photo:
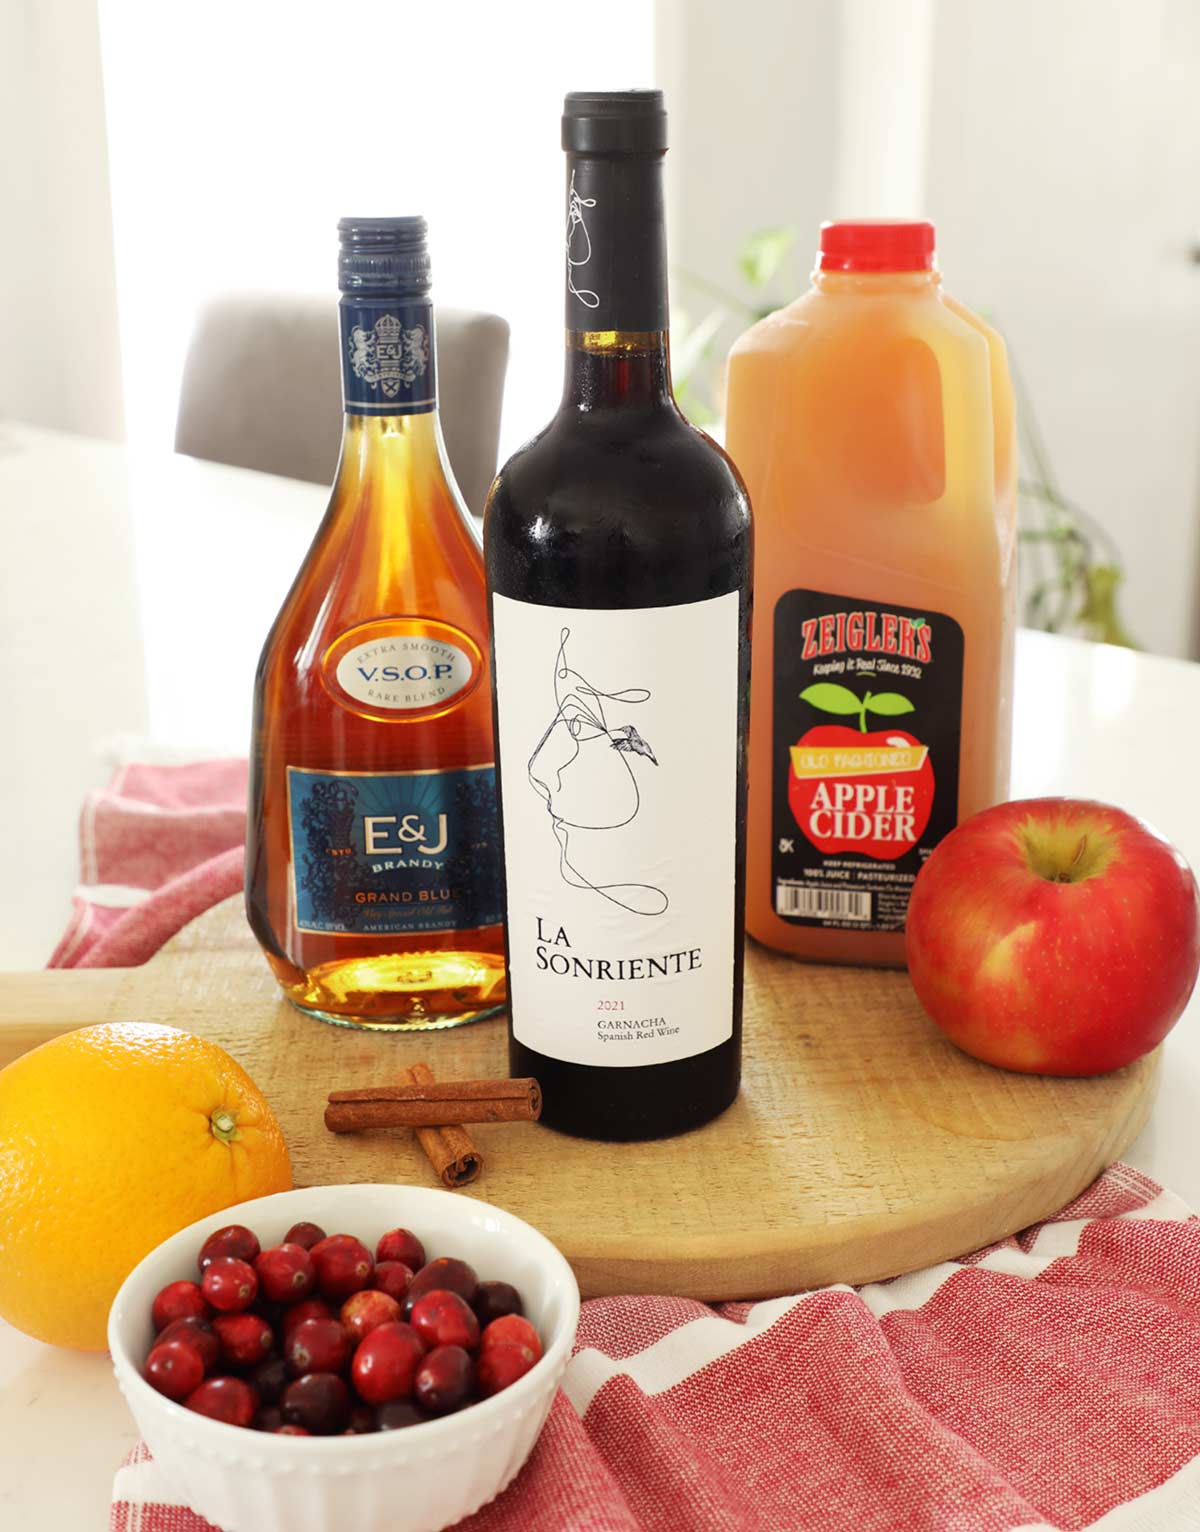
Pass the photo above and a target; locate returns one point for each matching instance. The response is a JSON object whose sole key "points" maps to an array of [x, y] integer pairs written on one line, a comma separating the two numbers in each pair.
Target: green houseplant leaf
{"points": [[763, 254]]}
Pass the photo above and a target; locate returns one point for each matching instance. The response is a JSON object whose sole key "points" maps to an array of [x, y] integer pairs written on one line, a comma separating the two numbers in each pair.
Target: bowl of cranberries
{"points": [[362, 1357]]}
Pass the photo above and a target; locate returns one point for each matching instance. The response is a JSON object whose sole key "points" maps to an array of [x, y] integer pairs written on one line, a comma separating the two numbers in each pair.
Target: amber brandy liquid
{"points": [[372, 863]]}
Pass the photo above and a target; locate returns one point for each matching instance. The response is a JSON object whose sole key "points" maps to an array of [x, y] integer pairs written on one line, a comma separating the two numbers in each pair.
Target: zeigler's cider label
{"points": [[867, 732], [618, 766]]}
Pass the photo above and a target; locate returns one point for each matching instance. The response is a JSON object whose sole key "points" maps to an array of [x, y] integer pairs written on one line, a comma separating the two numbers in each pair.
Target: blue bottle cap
{"points": [[384, 255]]}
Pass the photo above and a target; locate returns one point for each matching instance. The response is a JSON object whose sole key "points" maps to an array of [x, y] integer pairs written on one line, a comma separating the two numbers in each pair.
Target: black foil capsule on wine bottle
{"points": [[616, 236]]}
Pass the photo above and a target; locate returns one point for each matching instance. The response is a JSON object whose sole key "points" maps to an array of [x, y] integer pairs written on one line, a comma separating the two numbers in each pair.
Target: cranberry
{"points": [[233, 1240], [344, 1266], [446, 1272], [229, 1284], [493, 1300], [306, 1235], [291, 1431], [444, 1381], [319, 1401], [178, 1300], [366, 1311], [286, 1273], [270, 1378], [317, 1345], [501, 1364], [392, 1278], [268, 1419], [362, 1421], [400, 1413], [307, 1308], [401, 1245], [245, 1339], [195, 1332], [384, 1363], [513, 1329], [229, 1399], [174, 1368], [441, 1318]]}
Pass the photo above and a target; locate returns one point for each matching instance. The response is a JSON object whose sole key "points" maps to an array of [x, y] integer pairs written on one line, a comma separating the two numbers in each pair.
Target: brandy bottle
{"points": [[372, 860]]}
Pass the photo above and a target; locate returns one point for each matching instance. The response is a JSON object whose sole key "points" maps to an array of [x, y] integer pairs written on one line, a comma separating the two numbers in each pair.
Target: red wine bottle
{"points": [[618, 554]]}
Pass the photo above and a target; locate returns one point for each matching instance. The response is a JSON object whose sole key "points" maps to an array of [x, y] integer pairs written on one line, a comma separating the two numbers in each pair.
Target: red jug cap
{"points": [[876, 244]]}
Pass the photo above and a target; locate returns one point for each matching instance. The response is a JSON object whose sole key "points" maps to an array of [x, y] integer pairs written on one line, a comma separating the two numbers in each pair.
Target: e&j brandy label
{"points": [[394, 853]]}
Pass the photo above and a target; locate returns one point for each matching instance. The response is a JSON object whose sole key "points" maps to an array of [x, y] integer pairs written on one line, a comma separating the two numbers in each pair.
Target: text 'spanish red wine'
{"points": [[618, 553]]}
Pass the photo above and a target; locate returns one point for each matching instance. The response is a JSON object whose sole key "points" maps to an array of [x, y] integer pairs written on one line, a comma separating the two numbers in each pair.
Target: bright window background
{"points": [[239, 134]]}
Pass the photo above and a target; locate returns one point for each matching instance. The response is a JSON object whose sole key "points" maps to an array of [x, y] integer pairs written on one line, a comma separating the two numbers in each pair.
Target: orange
{"points": [[112, 1138]]}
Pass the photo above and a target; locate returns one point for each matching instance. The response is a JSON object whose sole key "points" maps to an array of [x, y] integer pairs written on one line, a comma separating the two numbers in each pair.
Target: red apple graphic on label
{"points": [[861, 790]]}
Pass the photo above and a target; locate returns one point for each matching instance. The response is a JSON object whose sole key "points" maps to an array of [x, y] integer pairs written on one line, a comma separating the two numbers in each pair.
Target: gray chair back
{"points": [[262, 388]]}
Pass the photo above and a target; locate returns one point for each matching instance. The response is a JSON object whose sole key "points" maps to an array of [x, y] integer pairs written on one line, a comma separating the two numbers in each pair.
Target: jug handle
{"points": [[964, 367]]}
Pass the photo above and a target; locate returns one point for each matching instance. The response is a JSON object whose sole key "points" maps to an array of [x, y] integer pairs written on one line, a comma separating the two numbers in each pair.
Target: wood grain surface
{"points": [[862, 1145]]}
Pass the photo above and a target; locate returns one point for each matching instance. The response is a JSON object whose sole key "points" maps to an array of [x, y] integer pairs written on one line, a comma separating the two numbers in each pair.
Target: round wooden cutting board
{"points": [[862, 1145]]}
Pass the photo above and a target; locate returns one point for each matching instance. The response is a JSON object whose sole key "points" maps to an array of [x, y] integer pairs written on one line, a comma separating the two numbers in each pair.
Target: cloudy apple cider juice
{"points": [[872, 421]]}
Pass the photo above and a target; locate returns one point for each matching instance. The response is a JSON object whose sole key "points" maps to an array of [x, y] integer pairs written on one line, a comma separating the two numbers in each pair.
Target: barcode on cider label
{"points": [[809, 900]]}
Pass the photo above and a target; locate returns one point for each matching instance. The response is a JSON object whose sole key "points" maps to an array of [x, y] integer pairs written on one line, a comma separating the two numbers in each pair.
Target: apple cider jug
{"points": [[873, 422]]}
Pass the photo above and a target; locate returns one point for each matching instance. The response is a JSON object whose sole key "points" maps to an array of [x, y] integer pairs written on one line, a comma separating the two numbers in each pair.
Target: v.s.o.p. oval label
{"points": [[402, 667], [407, 671]]}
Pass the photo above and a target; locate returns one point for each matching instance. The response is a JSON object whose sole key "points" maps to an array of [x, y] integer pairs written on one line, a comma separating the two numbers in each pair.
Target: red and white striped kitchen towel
{"points": [[1050, 1382], [159, 845]]}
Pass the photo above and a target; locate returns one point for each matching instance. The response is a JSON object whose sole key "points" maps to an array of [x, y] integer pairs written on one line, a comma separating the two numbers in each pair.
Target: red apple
{"points": [[1054, 936]]}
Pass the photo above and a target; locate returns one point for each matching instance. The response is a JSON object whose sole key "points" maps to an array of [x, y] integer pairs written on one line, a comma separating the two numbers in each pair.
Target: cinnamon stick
{"points": [[448, 1149], [433, 1104]]}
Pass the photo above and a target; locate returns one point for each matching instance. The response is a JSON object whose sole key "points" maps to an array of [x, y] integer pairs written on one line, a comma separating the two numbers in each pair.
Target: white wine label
{"points": [[618, 765]]}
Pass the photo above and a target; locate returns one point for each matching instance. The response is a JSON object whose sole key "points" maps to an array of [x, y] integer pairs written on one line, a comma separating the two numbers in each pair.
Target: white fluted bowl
{"points": [[417, 1479]]}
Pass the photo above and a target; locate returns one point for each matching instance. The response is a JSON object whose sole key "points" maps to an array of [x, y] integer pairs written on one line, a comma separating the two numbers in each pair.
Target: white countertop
{"points": [[135, 594]]}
